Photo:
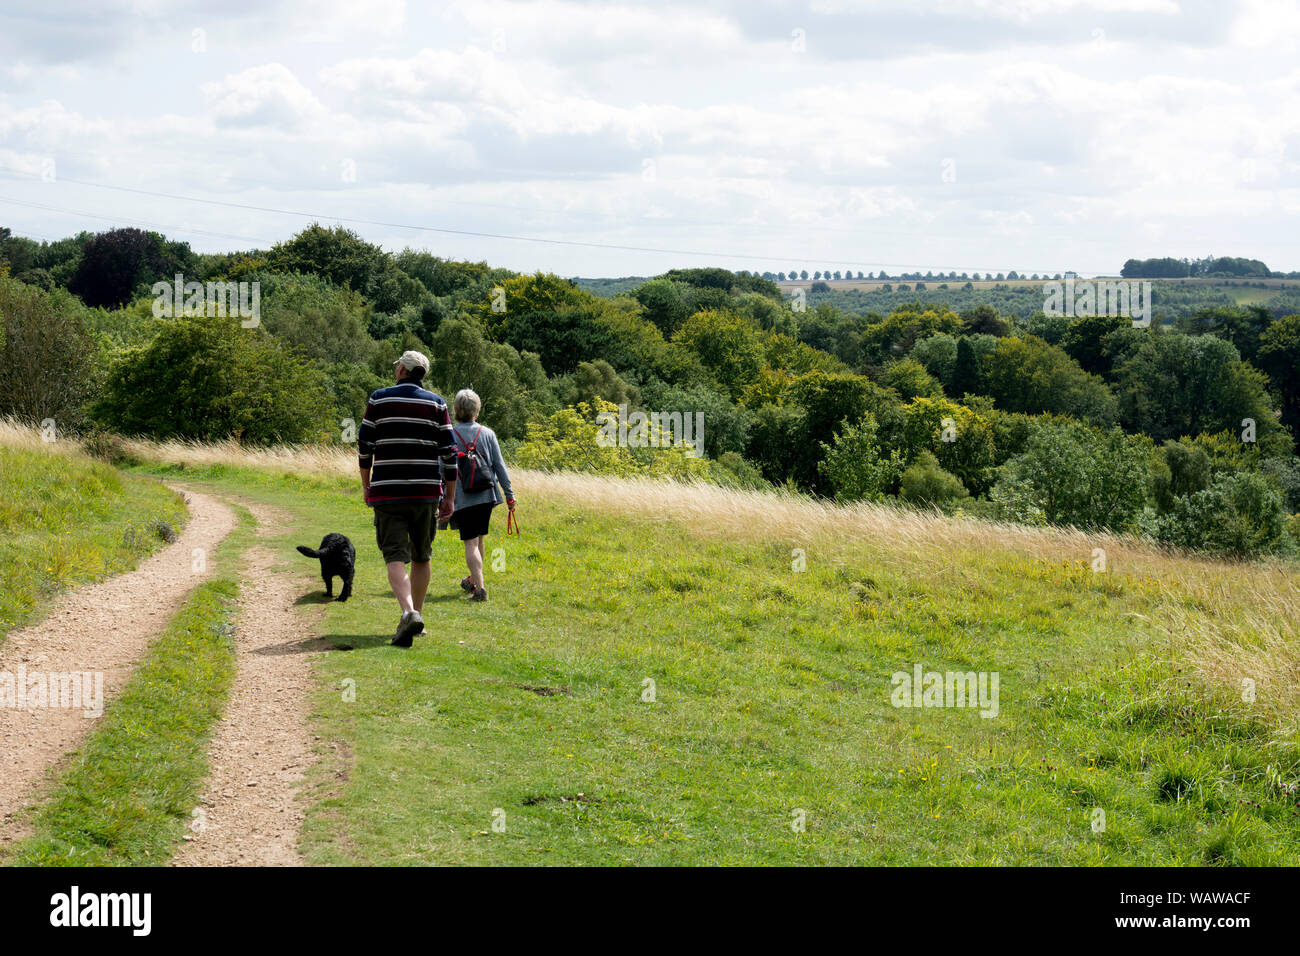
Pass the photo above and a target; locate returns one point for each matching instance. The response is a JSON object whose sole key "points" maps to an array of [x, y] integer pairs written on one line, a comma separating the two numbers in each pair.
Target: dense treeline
{"points": [[1169, 268], [1183, 432]]}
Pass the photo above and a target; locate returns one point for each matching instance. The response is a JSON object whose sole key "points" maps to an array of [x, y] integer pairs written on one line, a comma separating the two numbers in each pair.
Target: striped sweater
{"points": [[406, 432]]}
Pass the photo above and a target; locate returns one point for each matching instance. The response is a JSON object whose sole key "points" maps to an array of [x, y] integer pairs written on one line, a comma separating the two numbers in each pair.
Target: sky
{"points": [[624, 138]]}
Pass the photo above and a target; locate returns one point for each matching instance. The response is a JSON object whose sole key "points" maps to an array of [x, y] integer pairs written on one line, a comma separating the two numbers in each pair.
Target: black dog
{"points": [[337, 559]]}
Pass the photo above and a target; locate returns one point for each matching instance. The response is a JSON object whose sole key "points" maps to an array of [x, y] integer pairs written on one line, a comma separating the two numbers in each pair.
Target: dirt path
{"points": [[104, 628], [250, 814]]}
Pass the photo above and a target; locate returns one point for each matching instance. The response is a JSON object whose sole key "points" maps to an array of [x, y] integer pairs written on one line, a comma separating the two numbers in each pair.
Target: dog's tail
{"points": [[303, 549]]}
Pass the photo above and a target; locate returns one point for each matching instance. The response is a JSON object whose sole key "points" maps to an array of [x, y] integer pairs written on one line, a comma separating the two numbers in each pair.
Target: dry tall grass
{"points": [[766, 515], [17, 435], [1226, 621], [1241, 641]]}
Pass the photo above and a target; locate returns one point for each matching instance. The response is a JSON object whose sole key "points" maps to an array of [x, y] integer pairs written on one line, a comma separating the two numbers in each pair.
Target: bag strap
{"points": [[470, 446], [512, 524]]}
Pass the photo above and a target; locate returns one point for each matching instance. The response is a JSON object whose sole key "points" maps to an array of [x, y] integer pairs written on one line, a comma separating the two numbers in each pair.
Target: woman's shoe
{"points": [[467, 586]]}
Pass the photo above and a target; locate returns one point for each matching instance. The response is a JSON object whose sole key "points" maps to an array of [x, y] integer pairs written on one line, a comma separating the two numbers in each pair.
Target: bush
{"points": [[909, 378], [107, 447], [46, 355], [323, 321], [733, 470], [1285, 475], [961, 439], [571, 440], [1239, 515], [854, 465], [1186, 471], [1072, 474], [210, 379], [926, 483]]}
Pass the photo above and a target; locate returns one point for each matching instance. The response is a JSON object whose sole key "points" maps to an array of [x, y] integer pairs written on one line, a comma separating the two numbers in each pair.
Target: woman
{"points": [[476, 443]]}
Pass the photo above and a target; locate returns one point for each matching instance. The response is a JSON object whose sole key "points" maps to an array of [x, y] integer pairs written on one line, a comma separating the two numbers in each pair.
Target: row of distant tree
{"points": [[1160, 268], [882, 275], [1211, 266]]}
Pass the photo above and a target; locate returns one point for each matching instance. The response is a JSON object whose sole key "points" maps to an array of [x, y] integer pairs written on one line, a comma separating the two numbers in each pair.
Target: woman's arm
{"points": [[499, 468]]}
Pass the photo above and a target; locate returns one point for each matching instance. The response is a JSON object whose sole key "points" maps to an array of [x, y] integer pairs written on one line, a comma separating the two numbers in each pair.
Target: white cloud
{"points": [[267, 95]]}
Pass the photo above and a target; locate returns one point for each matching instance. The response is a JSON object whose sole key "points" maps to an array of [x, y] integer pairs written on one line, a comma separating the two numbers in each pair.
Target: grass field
{"points": [[527, 730], [66, 519], [677, 675]]}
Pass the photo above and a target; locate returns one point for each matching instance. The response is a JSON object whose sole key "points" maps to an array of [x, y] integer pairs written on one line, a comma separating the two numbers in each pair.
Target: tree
{"points": [[47, 356], [666, 303], [959, 438], [984, 320], [337, 254], [773, 439], [1188, 468], [571, 440], [966, 375], [461, 357], [559, 322], [1174, 385], [895, 335], [726, 424], [209, 379], [1279, 359], [119, 264], [592, 381], [909, 378], [442, 277], [321, 320], [727, 345], [1028, 375], [1072, 474], [1088, 341], [854, 465], [1241, 325]]}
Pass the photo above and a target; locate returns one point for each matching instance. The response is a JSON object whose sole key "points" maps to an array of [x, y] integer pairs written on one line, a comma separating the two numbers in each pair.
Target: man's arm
{"points": [[447, 457], [366, 450]]}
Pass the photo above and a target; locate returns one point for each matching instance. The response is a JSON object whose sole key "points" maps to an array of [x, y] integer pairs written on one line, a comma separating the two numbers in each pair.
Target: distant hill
{"points": [[608, 288]]}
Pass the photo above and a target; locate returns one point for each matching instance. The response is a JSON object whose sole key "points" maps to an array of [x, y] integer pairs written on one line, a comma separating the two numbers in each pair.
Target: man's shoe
{"points": [[410, 626], [479, 595], [467, 586]]}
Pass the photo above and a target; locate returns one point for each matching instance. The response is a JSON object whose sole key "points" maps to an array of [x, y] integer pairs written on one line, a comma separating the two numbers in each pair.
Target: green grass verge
{"points": [[517, 732], [66, 520], [126, 797]]}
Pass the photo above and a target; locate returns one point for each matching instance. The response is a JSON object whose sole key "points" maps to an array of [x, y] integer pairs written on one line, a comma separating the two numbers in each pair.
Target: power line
{"points": [[515, 238], [138, 222]]}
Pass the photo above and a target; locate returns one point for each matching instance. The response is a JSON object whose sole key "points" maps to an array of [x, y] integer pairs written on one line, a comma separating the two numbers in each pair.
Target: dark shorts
{"points": [[405, 532], [472, 522]]}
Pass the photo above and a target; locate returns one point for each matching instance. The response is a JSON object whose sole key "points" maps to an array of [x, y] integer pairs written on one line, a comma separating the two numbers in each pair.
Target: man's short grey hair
{"points": [[466, 405]]}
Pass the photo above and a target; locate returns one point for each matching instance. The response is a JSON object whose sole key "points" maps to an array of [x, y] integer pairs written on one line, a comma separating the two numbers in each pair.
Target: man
{"points": [[405, 435]]}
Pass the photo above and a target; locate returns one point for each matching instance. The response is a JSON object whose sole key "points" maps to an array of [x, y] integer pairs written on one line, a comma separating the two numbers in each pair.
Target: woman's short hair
{"points": [[466, 405]]}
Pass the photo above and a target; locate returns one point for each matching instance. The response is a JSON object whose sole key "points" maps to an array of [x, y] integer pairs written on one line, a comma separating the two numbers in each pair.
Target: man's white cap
{"points": [[413, 360]]}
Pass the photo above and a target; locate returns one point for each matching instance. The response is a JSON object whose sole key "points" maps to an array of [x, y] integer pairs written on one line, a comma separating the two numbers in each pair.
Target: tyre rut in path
{"points": [[250, 812], [103, 628]]}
